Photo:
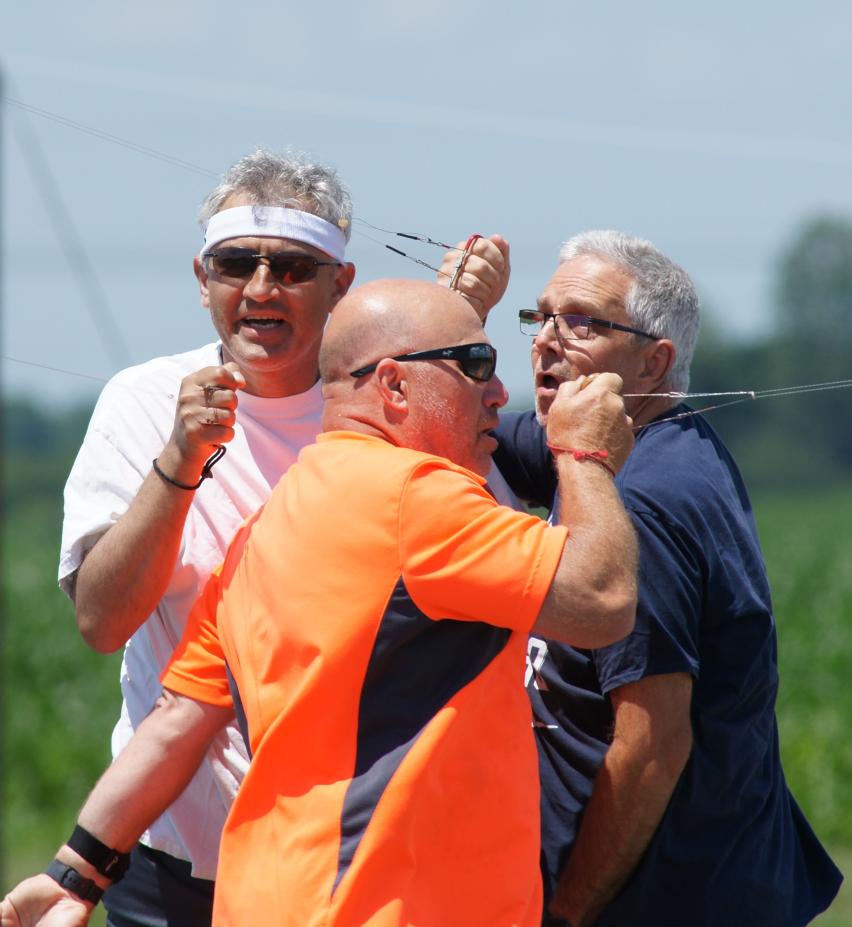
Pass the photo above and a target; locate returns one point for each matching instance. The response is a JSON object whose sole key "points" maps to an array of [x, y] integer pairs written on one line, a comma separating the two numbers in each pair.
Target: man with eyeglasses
{"points": [[368, 628], [144, 526], [663, 797]]}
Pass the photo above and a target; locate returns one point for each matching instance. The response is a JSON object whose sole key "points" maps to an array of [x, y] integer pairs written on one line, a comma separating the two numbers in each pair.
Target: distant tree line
{"points": [[804, 439], [39, 446]]}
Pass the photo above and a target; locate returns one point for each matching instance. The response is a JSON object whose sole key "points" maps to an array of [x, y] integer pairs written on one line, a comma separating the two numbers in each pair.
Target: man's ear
{"points": [[659, 360], [201, 276], [393, 386], [343, 277]]}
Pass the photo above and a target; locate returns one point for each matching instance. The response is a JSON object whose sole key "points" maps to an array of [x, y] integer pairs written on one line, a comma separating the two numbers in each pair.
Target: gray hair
{"points": [[288, 179], [662, 300]]}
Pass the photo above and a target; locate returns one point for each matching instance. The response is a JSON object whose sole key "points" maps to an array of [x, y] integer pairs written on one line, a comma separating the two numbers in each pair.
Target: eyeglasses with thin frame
{"points": [[570, 327], [477, 361], [286, 267]]}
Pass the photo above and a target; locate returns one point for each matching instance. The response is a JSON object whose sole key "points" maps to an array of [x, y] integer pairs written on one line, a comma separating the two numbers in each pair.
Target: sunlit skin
{"points": [[270, 330], [429, 405], [461, 412], [588, 285]]}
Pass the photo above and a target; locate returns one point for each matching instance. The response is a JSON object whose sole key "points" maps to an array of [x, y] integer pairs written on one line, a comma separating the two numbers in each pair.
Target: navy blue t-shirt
{"points": [[733, 847]]}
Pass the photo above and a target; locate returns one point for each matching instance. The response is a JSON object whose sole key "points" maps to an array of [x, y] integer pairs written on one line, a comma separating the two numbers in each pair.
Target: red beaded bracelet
{"points": [[599, 457]]}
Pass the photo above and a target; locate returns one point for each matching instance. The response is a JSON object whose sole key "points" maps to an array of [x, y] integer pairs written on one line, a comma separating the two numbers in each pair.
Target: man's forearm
{"points": [[592, 601], [617, 827], [126, 573], [152, 770], [631, 793]]}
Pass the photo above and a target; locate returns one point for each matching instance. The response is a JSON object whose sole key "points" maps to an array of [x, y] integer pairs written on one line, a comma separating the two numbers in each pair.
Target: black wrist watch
{"points": [[108, 862], [68, 877]]}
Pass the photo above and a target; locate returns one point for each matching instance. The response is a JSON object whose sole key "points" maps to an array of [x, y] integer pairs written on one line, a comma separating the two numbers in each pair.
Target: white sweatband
{"points": [[274, 222]]}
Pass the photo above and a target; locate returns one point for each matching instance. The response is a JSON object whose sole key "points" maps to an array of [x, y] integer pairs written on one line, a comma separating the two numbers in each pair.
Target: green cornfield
{"points": [[807, 540]]}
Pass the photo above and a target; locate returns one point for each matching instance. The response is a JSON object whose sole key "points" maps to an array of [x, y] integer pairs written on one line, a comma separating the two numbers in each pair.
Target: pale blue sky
{"points": [[711, 129]]}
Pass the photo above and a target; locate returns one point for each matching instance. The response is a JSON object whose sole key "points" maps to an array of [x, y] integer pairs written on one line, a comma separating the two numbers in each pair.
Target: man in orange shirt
{"points": [[369, 628]]}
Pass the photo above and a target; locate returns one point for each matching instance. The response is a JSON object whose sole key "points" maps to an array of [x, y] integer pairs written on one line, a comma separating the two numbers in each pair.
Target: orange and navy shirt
{"points": [[369, 626]]}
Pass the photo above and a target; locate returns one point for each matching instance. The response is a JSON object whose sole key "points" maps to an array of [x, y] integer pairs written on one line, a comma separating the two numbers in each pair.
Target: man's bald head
{"points": [[429, 405], [389, 317]]}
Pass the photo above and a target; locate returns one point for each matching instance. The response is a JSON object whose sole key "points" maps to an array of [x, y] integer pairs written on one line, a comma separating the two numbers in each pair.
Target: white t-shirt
{"points": [[130, 426]]}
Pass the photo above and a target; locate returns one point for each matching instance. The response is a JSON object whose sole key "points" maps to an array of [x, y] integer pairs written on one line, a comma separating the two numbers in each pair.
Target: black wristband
{"points": [[108, 862], [206, 470], [68, 877]]}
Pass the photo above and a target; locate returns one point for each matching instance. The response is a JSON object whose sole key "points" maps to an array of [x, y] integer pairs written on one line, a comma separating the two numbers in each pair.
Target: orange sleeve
{"points": [[466, 557], [197, 667]]}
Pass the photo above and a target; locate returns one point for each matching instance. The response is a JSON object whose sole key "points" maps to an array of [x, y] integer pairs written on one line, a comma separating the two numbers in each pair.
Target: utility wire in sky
{"points": [[93, 293], [107, 137]]}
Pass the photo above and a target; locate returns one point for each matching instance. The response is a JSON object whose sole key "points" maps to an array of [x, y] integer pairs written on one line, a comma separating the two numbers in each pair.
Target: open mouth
{"points": [[548, 382], [262, 323]]}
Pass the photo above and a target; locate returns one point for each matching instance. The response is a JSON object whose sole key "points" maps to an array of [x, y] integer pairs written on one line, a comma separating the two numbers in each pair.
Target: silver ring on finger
{"points": [[208, 395], [211, 417]]}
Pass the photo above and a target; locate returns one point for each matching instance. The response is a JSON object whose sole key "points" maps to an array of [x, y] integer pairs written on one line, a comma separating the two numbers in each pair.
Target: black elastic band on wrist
{"points": [[110, 863], [206, 470], [71, 880]]}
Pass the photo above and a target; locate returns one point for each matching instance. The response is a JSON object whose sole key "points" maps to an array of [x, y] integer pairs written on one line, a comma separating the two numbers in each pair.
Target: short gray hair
{"points": [[662, 300], [288, 179]]}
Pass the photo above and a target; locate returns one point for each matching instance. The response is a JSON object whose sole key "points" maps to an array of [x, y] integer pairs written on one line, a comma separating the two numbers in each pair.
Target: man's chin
{"points": [[542, 407]]}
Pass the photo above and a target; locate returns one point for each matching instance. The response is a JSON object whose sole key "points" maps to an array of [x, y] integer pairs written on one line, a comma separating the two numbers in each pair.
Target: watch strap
{"points": [[68, 877], [108, 862]]}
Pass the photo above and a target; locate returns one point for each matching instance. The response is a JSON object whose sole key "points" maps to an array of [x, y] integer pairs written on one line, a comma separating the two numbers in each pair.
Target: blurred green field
{"points": [[60, 699], [807, 540]]}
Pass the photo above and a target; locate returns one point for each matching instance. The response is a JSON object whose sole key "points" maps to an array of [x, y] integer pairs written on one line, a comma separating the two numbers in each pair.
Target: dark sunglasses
{"points": [[285, 267], [477, 361]]}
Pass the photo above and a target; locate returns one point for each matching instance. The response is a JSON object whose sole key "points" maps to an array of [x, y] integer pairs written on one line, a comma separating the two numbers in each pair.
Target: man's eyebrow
{"points": [[572, 306]]}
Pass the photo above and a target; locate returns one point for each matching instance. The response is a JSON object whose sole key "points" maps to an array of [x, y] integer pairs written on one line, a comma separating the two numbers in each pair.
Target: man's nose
{"points": [[262, 285], [496, 395], [546, 339]]}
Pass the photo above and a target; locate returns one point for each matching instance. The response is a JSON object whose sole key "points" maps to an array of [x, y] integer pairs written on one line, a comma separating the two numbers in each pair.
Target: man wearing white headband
{"points": [[144, 527]]}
